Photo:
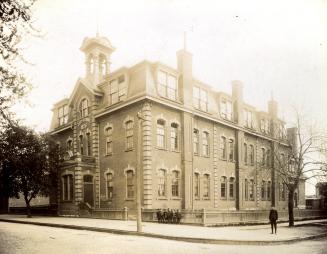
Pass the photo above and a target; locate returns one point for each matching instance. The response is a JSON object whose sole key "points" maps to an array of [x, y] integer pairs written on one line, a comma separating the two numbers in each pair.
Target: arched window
{"points": [[174, 137], [196, 141], [175, 184], [196, 185], [161, 133], [130, 184], [231, 187], [206, 186], [84, 108], [223, 148], [205, 144], [81, 144], [223, 183], [231, 150], [108, 133], [88, 142], [251, 154], [129, 126], [67, 188], [110, 186], [162, 183], [245, 153]]}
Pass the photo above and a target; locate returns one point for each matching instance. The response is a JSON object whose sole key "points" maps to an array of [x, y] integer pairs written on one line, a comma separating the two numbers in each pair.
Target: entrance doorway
{"points": [[88, 190]]}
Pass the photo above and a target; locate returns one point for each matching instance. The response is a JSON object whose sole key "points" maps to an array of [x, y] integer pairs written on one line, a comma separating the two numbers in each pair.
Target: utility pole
{"points": [[140, 118]]}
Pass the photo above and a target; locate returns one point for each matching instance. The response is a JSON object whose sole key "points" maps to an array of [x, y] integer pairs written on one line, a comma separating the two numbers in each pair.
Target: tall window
{"points": [[108, 133], [117, 90], [88, 142], [263, 156], [223, 183], [231, 150], [268, 190], [174, 137], [226, 109], [283, 191], [161, 133], [263, 190], [67, 188], [264, 125], [84, 108], [282, 160], [268, 157], [167, 85], [175, 184], [248, 118], [200, 98], [246, 189], [162, 183], [205, 144], [196, 141], [231, 187], [251, 148], [129, 125], [81, 144], [251, 190], [196, 185], [245, 153], [130, 183], [70, 145], [110, 186], [206, 186], [223, 148], [63, 115]]}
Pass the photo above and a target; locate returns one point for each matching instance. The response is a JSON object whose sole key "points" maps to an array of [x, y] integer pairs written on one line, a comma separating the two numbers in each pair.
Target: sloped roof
{"points": [[100, 40], [88, 85]]}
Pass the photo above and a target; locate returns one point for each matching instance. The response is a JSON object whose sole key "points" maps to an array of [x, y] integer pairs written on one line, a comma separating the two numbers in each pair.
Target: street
{"points": [[20, 238]]}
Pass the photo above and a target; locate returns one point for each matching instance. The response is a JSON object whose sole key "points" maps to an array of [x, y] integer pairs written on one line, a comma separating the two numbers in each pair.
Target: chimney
{"points": [[237, 94], [184, 66]]}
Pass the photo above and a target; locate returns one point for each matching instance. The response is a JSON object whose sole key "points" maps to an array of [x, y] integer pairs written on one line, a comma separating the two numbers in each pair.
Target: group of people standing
{"points": [[169, 216]]}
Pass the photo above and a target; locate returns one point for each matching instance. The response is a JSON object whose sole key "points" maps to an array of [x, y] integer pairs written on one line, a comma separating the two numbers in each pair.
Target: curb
{"points": [[167, 237]]}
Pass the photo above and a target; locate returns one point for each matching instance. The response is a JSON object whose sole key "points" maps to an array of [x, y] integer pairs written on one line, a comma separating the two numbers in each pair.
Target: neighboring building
{"points": [[317, 201], [196, 148]]}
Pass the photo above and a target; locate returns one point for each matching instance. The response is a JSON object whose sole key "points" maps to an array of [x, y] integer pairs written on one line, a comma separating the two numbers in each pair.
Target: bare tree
{"points": [[305, 158], [15, 24]]}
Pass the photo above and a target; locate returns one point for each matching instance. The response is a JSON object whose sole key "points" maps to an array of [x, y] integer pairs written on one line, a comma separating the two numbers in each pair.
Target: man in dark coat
{"points": [[273, 217]]}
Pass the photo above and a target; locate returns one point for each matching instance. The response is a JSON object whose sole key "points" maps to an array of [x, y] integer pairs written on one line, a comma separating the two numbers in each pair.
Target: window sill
{"points": [[223, 159], [206, 156], [162, 198], [129, 199], [175, 151], [129, 149], [67, 201], [224, 199], [206, 199], [108, 154], [176, 198], [161, 148]]}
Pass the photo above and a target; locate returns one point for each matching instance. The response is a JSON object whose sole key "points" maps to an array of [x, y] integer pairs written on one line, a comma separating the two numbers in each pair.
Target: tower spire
{"points": [[184, 40]]}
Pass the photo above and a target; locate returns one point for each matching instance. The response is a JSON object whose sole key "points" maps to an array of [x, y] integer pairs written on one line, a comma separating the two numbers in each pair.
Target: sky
{"points": [[273, 47]]}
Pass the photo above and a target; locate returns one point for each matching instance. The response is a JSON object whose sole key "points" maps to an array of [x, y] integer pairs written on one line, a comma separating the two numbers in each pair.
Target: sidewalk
{"points": [[255, 235]]}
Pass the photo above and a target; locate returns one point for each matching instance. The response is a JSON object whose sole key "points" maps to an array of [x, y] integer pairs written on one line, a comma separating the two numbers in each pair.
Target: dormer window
{"points": [[226, 109], [63, 115], [84, 108], [167, 85], [117, 90], [264, 125], [200, 98], [248, 118]]}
